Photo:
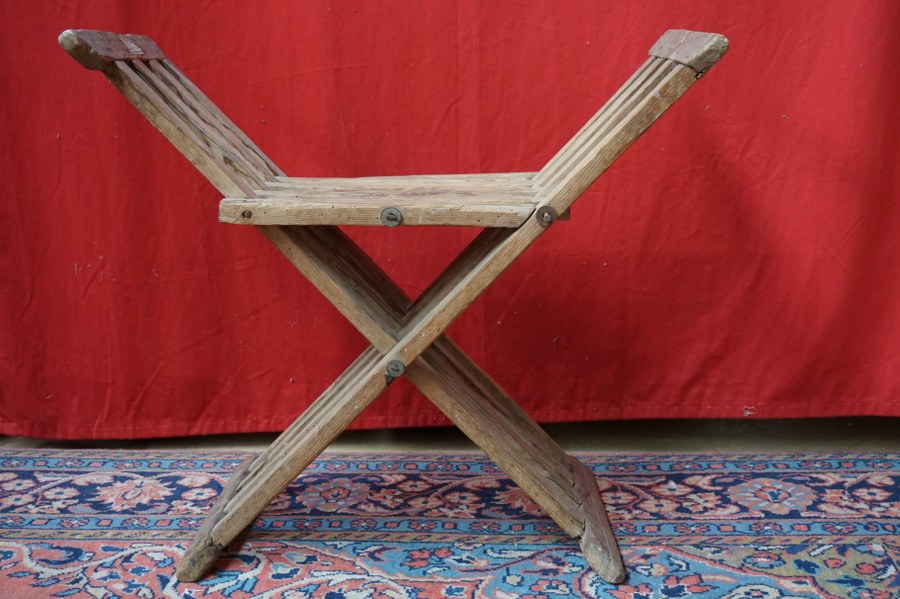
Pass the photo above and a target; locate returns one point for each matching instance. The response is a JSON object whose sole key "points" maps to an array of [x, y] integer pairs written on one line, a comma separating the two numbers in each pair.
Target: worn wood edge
{"points": [[694, 49], [203, 552], [629, 128], [249, 212], [96, 50], [452, 390], [512, 178], [598, 543]]}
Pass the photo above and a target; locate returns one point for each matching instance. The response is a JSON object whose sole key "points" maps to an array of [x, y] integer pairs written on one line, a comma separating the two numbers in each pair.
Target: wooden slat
{"points": [[482, 194], [181, 134], [98, 50], [475, 251], [212, 120], [463, 200], [314, 418], [340, 404], [212, 140], [449, 390], [298, 246], [433, 208], [524, 429], [563, 156], [564, 161], [455, 294], [201, 98], [561, 194], [360, 271], [520, 180], [202, 551], [618, 112], [683, 56], [598, 543]]}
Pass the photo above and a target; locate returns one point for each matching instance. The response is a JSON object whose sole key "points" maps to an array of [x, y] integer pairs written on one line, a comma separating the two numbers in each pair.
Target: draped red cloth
{"points": [[741, 260]]}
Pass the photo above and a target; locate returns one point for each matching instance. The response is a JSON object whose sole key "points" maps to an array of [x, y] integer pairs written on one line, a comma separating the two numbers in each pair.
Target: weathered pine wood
{"points": [[207, 134], [448, 390], [411, 332], [428, 208], [182, 136], [487, 181], [314, 417], [331, 413], [530, 433], [96, 50], [694, 49], [598, 543], [626, 130], [350, 298], [463, 200], [216, 120], [202, 550], [475, 251], [568, 156], [577, 140], [199, 98]]}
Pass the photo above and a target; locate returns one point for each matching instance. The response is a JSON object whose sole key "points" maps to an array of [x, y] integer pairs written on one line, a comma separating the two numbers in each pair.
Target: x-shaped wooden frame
{"points": [[407, 337]]}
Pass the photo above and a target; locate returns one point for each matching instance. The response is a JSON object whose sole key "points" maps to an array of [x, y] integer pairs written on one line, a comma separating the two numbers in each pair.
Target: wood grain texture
{"points": [[183, 136], [97, 50], [202, 550], [622, 129], [336, 207], [466, 181], [598, 543], [694, 49], [501, 200]]}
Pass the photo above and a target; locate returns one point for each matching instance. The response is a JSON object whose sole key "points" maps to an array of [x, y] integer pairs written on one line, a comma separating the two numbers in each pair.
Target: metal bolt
{"points": [[395, 368], [247, 213], [546, 216], [391, 217]]}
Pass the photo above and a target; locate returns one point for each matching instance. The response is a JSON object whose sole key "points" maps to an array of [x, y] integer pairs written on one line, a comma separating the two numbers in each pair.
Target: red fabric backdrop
{"points": [[741, 260]]}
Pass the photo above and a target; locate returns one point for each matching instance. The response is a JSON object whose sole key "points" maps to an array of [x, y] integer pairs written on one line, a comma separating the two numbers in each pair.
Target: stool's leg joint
{"points": [[395, 369], [598, 543], [546, 215], [391, 217]]}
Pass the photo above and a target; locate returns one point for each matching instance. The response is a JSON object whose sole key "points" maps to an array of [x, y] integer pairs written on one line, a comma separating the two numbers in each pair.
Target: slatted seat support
{"points": [[498, 201], [301, 218]]}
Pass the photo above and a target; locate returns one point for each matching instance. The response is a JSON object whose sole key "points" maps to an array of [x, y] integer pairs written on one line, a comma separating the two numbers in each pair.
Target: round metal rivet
{"points": [[395, 368], [546, 216], [391, 217], [247, 213]]}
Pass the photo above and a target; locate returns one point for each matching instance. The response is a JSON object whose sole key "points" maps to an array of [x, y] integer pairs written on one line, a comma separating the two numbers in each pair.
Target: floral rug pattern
{"points": [[114, 523]]}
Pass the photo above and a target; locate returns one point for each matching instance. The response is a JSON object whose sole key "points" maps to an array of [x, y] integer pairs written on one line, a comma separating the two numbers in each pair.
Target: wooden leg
{"points": [[442, 371], [598, 543], [202, 552]]}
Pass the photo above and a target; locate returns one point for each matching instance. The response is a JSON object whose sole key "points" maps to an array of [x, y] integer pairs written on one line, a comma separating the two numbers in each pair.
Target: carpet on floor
{"points": [[104, 523]]}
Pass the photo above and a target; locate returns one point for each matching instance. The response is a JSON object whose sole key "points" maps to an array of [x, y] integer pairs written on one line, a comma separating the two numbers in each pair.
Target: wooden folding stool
{"points": [[300, 216]]}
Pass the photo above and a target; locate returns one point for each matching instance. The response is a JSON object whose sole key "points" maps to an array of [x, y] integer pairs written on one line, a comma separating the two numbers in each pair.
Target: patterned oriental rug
{"points": [[106, 523]]}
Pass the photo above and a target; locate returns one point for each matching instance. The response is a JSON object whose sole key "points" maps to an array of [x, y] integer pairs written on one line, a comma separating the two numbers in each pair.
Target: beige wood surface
{"points": [[494, 200], [694, 49]]}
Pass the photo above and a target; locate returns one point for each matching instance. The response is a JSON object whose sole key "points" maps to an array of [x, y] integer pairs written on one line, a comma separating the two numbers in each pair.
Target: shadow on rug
{"points": [[113, 524]]}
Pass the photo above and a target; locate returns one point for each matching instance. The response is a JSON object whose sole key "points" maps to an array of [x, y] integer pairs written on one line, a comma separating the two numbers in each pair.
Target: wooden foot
{"points": [[598, 544], [203, 552]]}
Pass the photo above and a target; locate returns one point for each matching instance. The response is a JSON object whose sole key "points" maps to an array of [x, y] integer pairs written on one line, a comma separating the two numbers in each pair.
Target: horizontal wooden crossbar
{"points": [[496, 201]]}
